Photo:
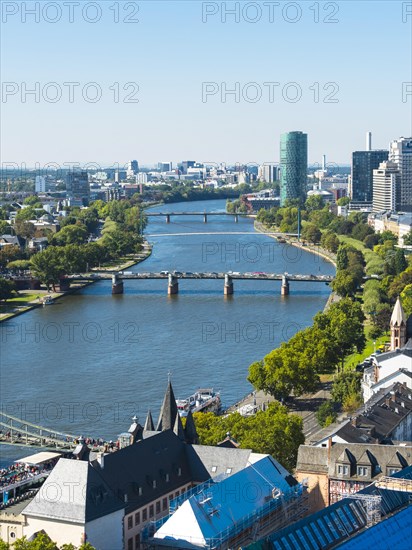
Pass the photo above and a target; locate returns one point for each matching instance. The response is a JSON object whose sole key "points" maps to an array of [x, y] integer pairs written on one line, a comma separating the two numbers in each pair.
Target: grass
{"points": [[352, 360], [373, 261]]}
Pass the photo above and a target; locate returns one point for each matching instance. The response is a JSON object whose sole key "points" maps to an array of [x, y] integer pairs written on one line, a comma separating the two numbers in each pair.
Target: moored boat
{"points": [[203, 400], [47, 301]]}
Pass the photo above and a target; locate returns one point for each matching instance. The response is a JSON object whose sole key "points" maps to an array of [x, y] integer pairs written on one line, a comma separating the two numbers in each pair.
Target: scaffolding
{"points": [[394, 484], [372, 506]]}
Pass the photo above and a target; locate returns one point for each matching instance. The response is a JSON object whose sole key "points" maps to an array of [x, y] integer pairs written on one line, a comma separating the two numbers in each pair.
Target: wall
{"points": [[60, 532], [11, 527], [106, 533], [318, 488]]}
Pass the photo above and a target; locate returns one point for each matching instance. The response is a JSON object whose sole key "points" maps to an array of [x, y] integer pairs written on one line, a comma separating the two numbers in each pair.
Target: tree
{"points": [[330, 241], [370, 241], [326, 414], [70, 234], [345, 384], [311, 233], [47, 265], [345, 283], [342, 261], [400, 261], [7, 289], [314, 202], [9, 254], [5, 228], [24, 229], [407, 240], [273, 431], [343, 201], [406, 299]]}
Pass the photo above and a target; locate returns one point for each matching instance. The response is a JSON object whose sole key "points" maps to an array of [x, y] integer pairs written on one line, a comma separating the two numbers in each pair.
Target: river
{"points": [[91, 361]]}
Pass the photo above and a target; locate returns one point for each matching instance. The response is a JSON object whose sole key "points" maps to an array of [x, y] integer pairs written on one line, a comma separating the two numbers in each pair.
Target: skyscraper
{"points": [[363, 165], [78, 188], [386, 187], [132, 168], [401, 153], [293, 166]]}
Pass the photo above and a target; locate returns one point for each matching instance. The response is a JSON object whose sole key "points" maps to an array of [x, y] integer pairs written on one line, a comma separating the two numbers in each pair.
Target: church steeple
{"points": [[168, 412], [398, 326]]}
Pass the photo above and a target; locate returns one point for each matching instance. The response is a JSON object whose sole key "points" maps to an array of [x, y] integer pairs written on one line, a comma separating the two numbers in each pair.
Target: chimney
{"points": [[329, 448], [100, 460], [369, 141]]}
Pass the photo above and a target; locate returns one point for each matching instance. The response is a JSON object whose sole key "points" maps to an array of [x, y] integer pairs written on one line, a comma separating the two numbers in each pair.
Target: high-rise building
{"points": [[401, 153], [268, 172], [40, 184], [363, 165], [293, 166], [386, 187], [165, 166], [132, 168], [185, 165], [78, 188]]}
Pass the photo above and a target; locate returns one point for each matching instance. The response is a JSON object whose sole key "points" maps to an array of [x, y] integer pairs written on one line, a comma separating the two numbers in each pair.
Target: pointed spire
{"points": [[178, 428], [398, 315], [168, 411], [149, 424], [190, 430]]}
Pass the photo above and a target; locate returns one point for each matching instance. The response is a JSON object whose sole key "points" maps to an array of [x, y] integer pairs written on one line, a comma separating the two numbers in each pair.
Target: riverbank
{"points": [[35, 297]]}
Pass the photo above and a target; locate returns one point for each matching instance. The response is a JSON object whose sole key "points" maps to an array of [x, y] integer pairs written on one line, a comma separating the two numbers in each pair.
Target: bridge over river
{"points": [[228, 278]]}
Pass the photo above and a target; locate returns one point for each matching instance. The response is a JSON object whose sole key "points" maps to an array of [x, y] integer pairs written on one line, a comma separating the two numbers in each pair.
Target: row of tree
{"points": [[42, 541]]}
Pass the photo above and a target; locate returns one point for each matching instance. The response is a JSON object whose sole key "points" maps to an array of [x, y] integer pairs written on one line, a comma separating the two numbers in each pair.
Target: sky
{"points": [[151, 80]]}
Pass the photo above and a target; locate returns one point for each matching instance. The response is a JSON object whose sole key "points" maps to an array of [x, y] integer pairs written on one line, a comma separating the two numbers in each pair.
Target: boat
{"points": [[203, 400], [47, 301]]}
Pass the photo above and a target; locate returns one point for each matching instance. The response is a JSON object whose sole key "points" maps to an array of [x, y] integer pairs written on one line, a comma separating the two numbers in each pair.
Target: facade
{"points": [[268, 172], [400, 152], [293, 166], [386, 188], [342, 468], [399, 224], [78, 188], [132, 168], [40, 184], [165, 166], [363, 165]]}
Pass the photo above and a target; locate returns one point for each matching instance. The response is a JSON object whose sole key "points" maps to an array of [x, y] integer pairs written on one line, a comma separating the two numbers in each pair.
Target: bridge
{"points": [[205, 215], [228, 278]]}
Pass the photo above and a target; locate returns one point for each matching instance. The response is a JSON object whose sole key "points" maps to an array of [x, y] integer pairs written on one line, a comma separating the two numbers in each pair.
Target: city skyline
{"points": [[227, 97]]}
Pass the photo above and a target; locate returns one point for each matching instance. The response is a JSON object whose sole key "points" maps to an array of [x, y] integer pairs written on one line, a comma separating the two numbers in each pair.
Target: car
{"points": [[189, 273], [164, 273], [177, 273]]}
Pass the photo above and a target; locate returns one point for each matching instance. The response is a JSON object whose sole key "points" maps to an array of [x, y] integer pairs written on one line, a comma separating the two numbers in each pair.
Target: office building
{"points": [[293, 166], [386, 187], [132, 168], [363, 165], [165, 166], [40, 184], [78, 188], [268, 172], [400, 152]]}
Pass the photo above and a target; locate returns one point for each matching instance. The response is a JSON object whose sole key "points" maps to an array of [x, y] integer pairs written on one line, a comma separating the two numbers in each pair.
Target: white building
{"points": [[40, 184], [386, 187], [400, 151], [268, 172]]}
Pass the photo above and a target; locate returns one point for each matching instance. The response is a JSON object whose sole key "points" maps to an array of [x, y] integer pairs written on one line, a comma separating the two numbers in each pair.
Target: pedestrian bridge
{"points": [[205, 215], [228, 278]]}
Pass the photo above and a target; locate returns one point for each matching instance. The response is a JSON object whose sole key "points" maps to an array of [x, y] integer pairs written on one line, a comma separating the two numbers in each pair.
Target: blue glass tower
{"points": [[293, 166]]}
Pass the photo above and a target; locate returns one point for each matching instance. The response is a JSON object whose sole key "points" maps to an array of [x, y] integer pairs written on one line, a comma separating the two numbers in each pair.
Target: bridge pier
{"points": [[117, 285], [173, 286], [236, 218], [284, 289], [228, 287], [205, 218], [167, 218]]}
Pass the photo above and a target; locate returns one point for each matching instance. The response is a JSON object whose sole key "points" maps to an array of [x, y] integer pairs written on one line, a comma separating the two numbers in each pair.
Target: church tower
{"points": [[398, 326]]}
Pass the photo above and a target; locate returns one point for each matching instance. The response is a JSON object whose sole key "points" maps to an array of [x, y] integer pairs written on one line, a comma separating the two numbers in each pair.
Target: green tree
{"points": [[314, 202], [330, 241], [345, 283], [273, 431], [24, 229], [47, 265], [343, 201], [7, 289], [400, 261], [5, 228], [326, 414], [406, 299], [345, 384], [407, 240], [311, 233], [70, 234], [4, 545], [342, 260]]}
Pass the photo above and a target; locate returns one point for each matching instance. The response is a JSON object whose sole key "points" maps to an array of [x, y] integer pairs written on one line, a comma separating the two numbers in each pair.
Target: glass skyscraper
{"points": [[293, 166], [363, 165]]}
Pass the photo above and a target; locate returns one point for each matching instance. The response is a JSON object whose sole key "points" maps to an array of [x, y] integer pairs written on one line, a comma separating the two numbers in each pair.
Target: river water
{"points": [[88, 363]]}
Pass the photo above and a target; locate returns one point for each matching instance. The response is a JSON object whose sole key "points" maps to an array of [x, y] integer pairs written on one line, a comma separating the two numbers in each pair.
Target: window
{"points": [[154, 484], [137, 540], [214, 469], [130, 523], [137, 518], [179, 472], [362, 471], [144, 514], [177, 494], [167, 478], [130, 544], [140, 491], [343, 470], [158, 507], [151, 511], [165, 504], [171, 497], [392, 471]]}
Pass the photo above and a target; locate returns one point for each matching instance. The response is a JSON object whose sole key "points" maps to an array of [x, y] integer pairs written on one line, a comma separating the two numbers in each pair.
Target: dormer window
{"points": [[179, 472], [343, 470], [362, 471], [154, 484], [167, 477]]}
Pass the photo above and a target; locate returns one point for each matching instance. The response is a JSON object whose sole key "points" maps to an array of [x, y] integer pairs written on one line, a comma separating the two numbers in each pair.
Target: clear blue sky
{"points": [[170, 52]]}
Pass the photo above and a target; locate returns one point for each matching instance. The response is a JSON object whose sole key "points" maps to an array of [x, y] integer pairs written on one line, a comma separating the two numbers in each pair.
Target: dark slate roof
{"points": [[149, 425], [190, 429], [336, 524], [168, 411], [350, 434], [74, 479], [137, 466]]}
